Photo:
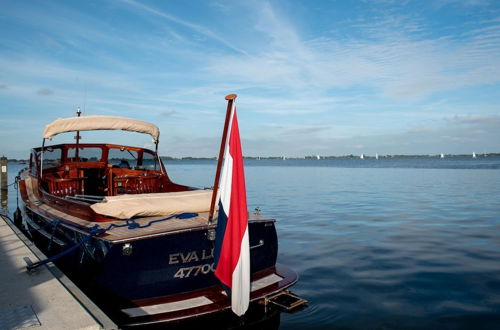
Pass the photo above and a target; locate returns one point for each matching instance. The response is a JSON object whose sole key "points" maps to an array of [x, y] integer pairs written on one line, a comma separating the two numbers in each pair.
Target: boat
{"points": [[141, 244], [362, 156], [474, 155], [442, 156]]}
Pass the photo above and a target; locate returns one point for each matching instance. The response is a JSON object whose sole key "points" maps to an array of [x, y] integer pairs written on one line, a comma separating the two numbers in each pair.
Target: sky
{"points": [[312, 77]]}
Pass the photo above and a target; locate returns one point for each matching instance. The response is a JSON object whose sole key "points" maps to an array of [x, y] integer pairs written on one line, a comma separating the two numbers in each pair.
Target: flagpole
{"points": [[230, 99]]}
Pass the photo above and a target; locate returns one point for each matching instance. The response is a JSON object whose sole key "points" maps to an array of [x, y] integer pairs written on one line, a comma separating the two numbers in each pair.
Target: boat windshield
{"points": [[117, 156], [128, 158], [89, 154]]}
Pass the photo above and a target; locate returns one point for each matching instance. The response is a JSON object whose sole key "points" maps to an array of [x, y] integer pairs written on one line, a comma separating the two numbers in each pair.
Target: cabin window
{"points": [[149, 161], [122, 157], [91, 154], [51, 157]]}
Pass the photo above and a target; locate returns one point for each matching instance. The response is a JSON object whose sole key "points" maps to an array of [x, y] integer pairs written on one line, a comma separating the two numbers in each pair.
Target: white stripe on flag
{"points": [[240, 292], [227, 170], [226, 176]]}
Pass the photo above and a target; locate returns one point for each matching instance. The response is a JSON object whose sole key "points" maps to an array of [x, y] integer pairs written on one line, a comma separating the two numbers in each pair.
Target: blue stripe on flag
{"points": [[219, 233]]}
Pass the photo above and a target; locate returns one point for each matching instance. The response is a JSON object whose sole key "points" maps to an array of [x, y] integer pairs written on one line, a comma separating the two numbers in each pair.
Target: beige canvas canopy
{"points": [[156, 204], [92, 123]]}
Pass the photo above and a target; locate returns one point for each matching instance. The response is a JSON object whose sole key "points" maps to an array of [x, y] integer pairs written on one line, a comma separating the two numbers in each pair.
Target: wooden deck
{"points": [[119, 234]]}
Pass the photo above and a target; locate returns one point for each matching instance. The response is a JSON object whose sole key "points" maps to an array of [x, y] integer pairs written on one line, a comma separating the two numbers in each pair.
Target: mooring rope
{"points": [[97, 230]]}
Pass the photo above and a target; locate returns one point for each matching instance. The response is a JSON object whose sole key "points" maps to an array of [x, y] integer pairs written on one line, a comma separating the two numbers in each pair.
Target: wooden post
{"points": [[230, 99], [3, 181]]}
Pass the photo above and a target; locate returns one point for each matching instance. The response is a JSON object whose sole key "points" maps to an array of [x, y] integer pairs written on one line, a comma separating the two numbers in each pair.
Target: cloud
{"points": [[464, 3], [476, 119], [391, 59], [444, 137], [169, 113], [303, 131], [394, 77], [195, 27], [45, 91]]}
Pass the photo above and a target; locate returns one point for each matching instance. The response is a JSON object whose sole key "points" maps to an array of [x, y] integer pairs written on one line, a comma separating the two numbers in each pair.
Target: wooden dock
{"points": [[46, 299]]}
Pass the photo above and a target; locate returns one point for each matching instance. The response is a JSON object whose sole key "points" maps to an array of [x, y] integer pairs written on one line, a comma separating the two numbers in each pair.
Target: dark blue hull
{"points": [[148, 267], [175, 263]]}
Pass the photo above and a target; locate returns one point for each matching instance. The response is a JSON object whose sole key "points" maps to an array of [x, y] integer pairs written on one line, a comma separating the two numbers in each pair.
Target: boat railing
{"points": [[86, 198]]}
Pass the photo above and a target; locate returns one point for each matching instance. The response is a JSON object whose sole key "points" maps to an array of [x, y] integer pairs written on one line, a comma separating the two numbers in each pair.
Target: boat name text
{"points": [[184, 258]]}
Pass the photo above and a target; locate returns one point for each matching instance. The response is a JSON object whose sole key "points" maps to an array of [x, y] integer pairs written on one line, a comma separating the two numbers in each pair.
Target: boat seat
{"points": [[62, 187], [137, 184]]}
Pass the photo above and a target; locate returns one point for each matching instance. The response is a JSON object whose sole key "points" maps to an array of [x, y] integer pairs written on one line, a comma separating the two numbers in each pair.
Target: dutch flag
{"points": [[232, 250]]}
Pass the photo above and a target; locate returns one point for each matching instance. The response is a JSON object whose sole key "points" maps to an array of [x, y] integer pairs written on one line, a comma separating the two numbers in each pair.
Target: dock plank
{"points": [[53, 306]]}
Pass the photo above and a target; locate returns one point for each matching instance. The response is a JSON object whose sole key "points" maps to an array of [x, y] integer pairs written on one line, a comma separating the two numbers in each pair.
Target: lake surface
{"points": [[403, 243]]}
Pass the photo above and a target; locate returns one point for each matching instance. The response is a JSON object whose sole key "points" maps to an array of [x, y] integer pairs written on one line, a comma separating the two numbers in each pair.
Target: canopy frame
{"points": [[96, 123]]}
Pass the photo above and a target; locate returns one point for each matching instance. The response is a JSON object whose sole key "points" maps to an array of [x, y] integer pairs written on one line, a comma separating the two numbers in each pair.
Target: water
{"points": [[379, 244]]}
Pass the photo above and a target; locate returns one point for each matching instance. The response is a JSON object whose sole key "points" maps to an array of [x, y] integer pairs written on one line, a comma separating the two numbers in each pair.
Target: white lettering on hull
{"points": [[192, 256]]}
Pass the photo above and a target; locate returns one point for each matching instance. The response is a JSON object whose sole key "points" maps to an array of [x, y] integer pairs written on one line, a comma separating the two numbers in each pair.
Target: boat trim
{"points": [[272, 281], [168, 307], [266, 281], [194, 302], [262, 283]]}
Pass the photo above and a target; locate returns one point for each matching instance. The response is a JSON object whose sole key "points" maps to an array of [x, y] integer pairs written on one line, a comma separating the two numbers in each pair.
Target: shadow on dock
{"points": [[19, 305]]}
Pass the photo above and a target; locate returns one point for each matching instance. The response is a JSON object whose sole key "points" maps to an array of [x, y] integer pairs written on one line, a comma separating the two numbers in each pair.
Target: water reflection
{"points": [[4, 201], [3, 183], [4, 197]]}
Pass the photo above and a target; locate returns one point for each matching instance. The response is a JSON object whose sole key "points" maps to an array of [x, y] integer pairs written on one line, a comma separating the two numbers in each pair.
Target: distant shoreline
{"points": [[339, 157], [24, 161]]}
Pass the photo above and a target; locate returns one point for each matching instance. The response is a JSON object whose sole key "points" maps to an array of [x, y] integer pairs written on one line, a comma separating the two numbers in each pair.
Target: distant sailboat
{"points": [[376, 156], [442, 155], [362, 156], [318, 157], [284, 158], [473, 155]]}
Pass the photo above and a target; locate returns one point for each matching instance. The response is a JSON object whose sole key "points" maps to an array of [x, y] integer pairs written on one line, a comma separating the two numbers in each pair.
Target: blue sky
{"points": [[312, 77]]}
